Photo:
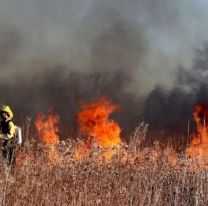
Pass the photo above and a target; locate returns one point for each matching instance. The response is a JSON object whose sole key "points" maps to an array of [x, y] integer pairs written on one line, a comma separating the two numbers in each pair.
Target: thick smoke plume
{"points": [[173, 109], [57, 53]]}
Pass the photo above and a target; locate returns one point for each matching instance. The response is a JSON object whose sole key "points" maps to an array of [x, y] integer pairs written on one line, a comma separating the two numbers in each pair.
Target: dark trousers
{"points": [[8, 151]]}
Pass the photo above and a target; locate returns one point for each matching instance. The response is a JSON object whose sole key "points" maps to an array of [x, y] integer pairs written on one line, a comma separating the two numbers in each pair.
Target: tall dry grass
{"points": [[138, 175]]}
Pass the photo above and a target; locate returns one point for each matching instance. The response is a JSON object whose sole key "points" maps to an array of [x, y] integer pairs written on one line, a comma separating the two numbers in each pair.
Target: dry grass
{"points": [[137, 176]]}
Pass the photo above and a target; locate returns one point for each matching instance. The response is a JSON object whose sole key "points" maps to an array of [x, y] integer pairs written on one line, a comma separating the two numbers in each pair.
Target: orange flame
{"points": [[94, 122], [47, 128], [199, 142]]}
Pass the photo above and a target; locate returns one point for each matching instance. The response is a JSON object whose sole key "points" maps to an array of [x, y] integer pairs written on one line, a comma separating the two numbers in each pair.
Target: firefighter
{"points": [[8, 132]]}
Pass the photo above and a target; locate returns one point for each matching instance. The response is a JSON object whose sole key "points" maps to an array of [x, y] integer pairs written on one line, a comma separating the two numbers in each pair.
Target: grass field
{"points": [[136, 175]]}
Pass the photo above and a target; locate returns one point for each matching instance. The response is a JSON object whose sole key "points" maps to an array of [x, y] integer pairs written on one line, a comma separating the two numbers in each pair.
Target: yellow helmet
{"points": [[7, 109]]}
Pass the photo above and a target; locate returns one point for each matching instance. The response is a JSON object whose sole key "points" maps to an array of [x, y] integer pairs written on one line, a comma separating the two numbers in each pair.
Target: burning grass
{"points": [[95, 124], [136, 175], [199, 141], [100, 169]]}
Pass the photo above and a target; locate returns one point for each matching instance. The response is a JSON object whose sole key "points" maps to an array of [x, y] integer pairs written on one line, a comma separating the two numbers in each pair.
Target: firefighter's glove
{"points": [[2, 136]]}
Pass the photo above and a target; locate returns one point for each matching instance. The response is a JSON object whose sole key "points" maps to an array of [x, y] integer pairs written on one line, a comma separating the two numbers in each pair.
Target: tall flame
{"points": [[199, 142], [48, 131], [94, 122]]}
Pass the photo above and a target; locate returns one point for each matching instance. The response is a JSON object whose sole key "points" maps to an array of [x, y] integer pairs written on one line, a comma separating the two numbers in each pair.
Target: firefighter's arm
{"points": [[12, 131]]}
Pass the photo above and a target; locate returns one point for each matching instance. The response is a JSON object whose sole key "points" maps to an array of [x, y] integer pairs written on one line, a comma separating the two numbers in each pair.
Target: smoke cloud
{"points": [[57, 53], [173, 109]]}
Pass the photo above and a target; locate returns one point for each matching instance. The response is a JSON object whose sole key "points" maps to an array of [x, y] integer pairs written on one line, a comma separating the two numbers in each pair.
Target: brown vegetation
{"points": [[137, 175]]}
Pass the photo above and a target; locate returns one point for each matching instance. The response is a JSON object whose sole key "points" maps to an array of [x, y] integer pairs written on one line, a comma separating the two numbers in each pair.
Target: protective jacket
{"points": [[8, 129]]}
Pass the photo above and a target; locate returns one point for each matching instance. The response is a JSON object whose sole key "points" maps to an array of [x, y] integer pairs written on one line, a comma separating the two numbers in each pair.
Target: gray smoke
{"points": [[56, 53], [173, 109]]}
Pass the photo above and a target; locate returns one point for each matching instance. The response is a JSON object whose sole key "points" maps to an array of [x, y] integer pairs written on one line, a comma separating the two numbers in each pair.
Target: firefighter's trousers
{"points": [[8, 151]]}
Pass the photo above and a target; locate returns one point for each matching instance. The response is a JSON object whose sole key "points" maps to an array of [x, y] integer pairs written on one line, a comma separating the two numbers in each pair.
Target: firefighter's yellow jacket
{"points": [[8, 129]]}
